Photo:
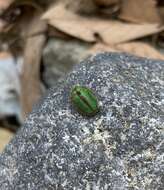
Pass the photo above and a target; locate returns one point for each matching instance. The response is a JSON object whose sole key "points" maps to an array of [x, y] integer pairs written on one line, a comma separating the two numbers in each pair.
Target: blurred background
{"points": [[41, 41]]}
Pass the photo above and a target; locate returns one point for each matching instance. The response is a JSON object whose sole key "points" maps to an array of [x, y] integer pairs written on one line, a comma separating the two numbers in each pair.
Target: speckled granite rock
{"points": [[120, 148]]}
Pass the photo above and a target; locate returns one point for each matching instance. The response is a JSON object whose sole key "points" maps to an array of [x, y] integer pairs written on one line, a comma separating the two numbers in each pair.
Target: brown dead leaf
{"points": [[4, 4], [99, 47], [20, 10], [5, 137], [53, 32], [81, 6], [30, 80], [106, 2], [5, 55], [35, 27], [84, 28], [140, 11], [90, 7], [108, 8], [141, 49], [136, 48], [161, 13]]}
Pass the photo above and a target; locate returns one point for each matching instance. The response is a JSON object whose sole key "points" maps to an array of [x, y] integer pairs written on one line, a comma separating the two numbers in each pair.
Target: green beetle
{"points": [[84, 100]]}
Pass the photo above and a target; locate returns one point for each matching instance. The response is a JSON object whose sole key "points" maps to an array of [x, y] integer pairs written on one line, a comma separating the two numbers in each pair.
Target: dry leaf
{"points": [[90, 7], [84, 28], [20, 10], [5, 137], [136, 48], [34, 27], [141, 49], [109, 8], [161, 13], [140, 11], [82, 6], [52, 32], [99, 47], [30, 81], [5, 55], [4, 4], [106, 2]]}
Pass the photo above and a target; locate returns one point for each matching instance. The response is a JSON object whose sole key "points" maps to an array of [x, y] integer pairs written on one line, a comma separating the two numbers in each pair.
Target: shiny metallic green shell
{"points": [[84, 100]]}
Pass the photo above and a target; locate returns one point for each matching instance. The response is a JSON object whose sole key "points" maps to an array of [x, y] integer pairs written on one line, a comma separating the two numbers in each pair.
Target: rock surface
{"points": [[10, 110], [121, 148], [59, 56]]}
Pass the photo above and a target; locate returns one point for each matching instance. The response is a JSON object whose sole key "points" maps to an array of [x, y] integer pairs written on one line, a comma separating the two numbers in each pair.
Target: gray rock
{"points": [[121, 148], [59, 56], [10, 111]]}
